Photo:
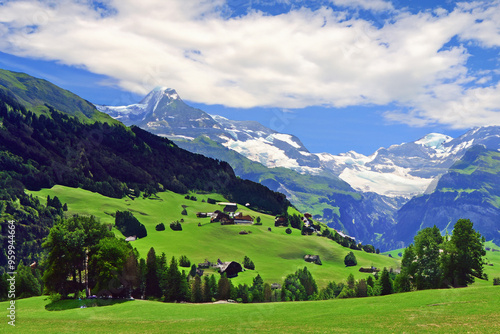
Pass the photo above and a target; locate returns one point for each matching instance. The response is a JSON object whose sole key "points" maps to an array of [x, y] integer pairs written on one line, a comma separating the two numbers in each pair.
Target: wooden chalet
{"points": [[280, 221], [221, 217], [241, 219], [230, 268], [229, 207], [204, 265]]}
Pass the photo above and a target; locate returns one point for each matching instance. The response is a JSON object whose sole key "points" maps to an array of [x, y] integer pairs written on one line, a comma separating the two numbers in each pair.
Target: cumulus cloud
{"points": [[374, 5], [293, 60]]}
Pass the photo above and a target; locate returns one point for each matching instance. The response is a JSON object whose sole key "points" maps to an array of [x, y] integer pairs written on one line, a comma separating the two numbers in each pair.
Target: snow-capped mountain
{"points": [[388, 178], [403, 170], [411, 168], [400, 170], [261, 144], [164, 113]]}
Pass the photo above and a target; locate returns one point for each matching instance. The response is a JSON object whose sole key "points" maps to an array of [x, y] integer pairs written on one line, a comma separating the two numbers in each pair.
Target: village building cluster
{"points": [[228, 215]]}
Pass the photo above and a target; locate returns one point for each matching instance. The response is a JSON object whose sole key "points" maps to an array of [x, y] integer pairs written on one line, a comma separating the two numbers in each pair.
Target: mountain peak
{"points": [[159, 92], [434, 140]]}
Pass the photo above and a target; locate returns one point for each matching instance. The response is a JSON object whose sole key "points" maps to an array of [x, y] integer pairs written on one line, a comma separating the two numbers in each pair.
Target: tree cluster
{"points": [[126, 223], [433, 261], [33, 221], [248, 264], [84, 255], [184, 261], [176, 226], [160, 227], [378, 285]]}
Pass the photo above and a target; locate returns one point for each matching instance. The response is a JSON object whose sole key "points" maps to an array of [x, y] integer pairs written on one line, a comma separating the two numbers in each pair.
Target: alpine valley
{"points": [[382, 199]]}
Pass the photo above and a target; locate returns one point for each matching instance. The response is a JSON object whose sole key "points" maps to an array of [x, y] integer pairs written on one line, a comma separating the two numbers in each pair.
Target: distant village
{"points": [[228, 215]]}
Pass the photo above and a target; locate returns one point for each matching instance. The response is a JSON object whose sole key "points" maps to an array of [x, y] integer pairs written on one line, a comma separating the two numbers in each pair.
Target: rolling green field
{"points": [[466, 310], [275, 253]]}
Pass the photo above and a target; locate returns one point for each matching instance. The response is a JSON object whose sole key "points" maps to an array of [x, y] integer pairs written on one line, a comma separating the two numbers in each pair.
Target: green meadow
{"points": [[466, 310], [275, 253]]}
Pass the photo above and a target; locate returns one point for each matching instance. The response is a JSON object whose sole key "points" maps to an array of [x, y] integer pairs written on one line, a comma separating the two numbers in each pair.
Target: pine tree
{"points": [[257, 289], [173, 278], [152, 288], [385, 282], [224, 288], [196, 290]]}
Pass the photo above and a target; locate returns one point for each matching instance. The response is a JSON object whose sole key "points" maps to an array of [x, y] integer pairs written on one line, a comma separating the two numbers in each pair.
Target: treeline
{"points": [[374, 285], [84, 258], [40, 151], [296, 222]]}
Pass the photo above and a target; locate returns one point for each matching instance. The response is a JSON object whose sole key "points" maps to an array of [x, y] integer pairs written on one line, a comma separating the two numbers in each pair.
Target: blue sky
{"points": [[339, 74]]}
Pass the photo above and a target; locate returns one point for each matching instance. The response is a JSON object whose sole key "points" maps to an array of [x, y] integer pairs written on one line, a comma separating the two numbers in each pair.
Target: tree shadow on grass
{"points": [[68, 304]]}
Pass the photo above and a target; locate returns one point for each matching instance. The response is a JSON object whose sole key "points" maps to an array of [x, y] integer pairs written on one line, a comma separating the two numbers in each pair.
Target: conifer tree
{"points": [[152, 288]]}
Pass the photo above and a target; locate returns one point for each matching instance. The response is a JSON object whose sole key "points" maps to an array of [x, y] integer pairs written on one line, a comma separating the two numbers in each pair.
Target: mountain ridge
{"points": [[379, 184]]}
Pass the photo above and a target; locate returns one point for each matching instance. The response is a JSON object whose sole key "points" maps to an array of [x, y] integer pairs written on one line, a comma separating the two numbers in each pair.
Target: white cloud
{"points": [[293, 60], [374, 5]]}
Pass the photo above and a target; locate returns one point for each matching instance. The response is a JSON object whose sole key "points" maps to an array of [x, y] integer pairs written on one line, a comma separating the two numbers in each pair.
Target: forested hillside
{"points": [[39, 151]]}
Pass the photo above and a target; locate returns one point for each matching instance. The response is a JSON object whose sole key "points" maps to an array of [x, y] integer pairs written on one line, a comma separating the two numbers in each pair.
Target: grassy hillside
{"points": [[365, 216], [275, 253], [35, 94], [469, 310]]}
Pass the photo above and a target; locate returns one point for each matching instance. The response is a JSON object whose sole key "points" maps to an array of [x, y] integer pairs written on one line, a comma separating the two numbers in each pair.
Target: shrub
{"points": [[369, 248], [184, 261], [55, 297], [350, 260], [160, 227], [184, 212], [496, 281], [176, 226], [248, 264], [288, 230], [211, 201]]}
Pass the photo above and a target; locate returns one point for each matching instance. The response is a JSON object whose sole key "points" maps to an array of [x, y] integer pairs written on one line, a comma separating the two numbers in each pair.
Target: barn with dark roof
{"points": [[230, 268]]}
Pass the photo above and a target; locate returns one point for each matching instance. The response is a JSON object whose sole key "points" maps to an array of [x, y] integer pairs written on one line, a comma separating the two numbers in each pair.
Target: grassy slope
{"points": [[275, 254], [469, 310], [34, 93]]}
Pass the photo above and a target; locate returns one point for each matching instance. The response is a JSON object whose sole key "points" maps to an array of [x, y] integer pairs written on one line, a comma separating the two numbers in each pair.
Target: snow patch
{"points": [[397, 183], [287, 139], [262, 151]]}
